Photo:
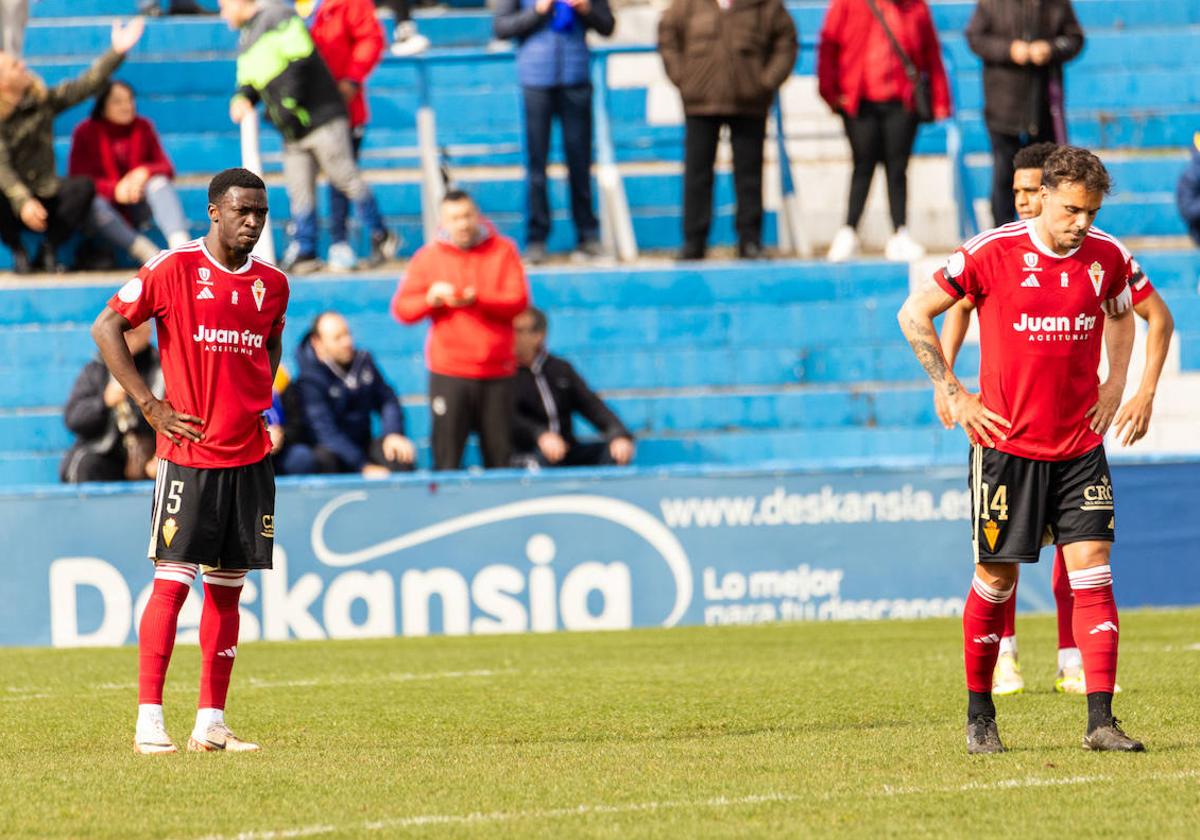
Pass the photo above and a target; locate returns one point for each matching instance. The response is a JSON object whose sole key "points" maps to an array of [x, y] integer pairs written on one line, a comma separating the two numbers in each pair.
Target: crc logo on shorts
{"points": [[228, 341], [1098, 496], [169, 529], [268, 526], [1056, 327]]}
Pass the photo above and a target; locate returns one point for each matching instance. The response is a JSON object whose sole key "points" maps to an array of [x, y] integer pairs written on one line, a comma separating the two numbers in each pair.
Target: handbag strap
{"points": [[910, 69]]}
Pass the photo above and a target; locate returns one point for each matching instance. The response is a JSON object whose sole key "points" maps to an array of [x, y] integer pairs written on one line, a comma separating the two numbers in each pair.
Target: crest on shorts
{"points": [[268, 526], [169, 529], [991, 532], [259, 291], [1096, 273]]}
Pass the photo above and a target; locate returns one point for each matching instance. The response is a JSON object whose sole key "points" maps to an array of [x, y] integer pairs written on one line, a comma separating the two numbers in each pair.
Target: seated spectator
{"points": [[406, 40], [154, 8], [470, 284], [1187, 192], [121, 153], [339, 389], [285, 420], [113, 441], [549, 393], [35, 198]]}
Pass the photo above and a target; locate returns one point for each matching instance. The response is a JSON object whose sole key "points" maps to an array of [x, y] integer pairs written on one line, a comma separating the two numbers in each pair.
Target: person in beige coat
{"points": [[728, 58]]}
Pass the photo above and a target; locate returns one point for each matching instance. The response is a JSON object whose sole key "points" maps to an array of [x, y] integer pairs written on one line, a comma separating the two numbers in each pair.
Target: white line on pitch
{"points": [[1031, 782], [508, 816]]}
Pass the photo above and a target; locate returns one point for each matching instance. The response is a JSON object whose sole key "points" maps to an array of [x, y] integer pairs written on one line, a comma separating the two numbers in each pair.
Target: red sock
{"points": [[1010, 616], [1064, 599], [983, 620], [156, 634], [1096, 626], [218, 636]]}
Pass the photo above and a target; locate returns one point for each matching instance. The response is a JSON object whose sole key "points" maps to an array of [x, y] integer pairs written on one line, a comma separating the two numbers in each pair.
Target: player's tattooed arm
{"points": [[108, 331], [916, 321]]}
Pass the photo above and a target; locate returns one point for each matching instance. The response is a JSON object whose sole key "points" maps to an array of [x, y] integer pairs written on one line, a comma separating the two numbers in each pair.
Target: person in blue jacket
{"points": [[338, 390], [1187, 192], [552, 67]]}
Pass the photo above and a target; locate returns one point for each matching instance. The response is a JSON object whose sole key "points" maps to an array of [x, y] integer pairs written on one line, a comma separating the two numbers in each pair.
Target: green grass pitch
{"points": [[852, 729]]}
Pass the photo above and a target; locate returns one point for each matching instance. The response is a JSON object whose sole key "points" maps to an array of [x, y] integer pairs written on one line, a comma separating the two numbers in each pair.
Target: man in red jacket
{"points": [[470, 283], [349, 38]]}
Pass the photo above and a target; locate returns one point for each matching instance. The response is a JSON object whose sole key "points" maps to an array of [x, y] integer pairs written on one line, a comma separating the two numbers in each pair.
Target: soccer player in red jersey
{"points": [[1046, 291], [220, 315], [1131, 423]]}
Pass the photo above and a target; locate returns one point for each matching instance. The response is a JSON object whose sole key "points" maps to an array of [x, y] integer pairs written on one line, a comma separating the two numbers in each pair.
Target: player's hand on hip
{"points": [[1133, 420], [398, 448], [174, 424], [1105, 408], [978, 421], [942, 409]]}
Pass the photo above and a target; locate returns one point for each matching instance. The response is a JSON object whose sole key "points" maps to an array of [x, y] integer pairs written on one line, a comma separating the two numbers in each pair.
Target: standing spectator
{"points": [[120, 152], [406, 40], [349, 38], [278, 64], [154, 8], [728, 58], [1187, 192], [862, 75], [549, 393], [470, 283], [339, 390], [35, 197], [113, 441], [14, 15], [553, 68], [1024, 46]]}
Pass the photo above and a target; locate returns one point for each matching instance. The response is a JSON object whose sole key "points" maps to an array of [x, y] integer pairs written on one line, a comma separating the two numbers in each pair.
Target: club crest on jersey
{"points": [[259, 290], [205, 274], [1031, 261], [1096, 274]]}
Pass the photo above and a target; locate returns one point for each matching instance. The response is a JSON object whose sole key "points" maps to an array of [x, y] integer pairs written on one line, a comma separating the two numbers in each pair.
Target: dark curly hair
{"points": [[1073, 165], [1034, 157], [222, 182]]}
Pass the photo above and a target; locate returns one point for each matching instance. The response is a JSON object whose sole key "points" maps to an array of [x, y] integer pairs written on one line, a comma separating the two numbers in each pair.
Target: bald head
{"points": [[332, 340]]}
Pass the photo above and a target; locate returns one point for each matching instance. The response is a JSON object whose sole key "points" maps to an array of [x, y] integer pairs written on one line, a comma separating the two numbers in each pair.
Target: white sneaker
{"points": [[408, 41], [845, 245], [341, 257], [1007, 679], [218, 737], [903, 248], [151, 738]]}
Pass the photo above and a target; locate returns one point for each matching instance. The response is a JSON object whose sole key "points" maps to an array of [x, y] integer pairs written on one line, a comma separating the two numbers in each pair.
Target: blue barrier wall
{"points": [[595, 550]]}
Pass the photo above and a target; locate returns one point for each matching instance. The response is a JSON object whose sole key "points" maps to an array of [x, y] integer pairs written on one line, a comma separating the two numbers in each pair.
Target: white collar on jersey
{"points": [[242, 270], [1042, 246]]}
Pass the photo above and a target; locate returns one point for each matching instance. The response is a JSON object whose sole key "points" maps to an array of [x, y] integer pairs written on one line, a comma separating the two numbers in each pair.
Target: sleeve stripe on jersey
{"points": [[1106, 237], [998, 233], [194, 245], [970, 243]]}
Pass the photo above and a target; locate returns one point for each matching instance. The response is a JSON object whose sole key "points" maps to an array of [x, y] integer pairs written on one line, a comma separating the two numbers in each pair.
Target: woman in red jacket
{"points": [[120, 152], [862, 77]]}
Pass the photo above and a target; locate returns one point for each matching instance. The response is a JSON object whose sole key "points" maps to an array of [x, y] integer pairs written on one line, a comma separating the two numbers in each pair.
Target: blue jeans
{"points": [[573, 107]]}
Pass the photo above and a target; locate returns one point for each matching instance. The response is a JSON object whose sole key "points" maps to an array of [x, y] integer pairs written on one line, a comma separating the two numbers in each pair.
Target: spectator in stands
{"points": [[113, 441], [14, 15], [549, 393], [278, 64], [470, 284], [284, 418], [349, 38], [728, 58], [406, 40], [120, 152], [862, 75], [1187, 192], [154, 8], [1024, 47], [35, 197], [339, 390], [554, 71]]}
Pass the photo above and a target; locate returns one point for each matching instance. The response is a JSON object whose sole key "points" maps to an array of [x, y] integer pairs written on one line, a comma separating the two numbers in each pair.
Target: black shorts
{"points": [[1021, 504], [223, 518]]}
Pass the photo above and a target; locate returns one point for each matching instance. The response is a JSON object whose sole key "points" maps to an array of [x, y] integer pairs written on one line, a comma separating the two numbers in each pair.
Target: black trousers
{"points": [[461, 406], [700, 152], [593, 454], [1004, 149], [67, 212], [573, 107], [881, 132]]}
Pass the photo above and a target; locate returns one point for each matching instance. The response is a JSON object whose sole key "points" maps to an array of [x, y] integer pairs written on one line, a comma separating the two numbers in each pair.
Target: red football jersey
{"points": [[1041, 321], [213, 326]]}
